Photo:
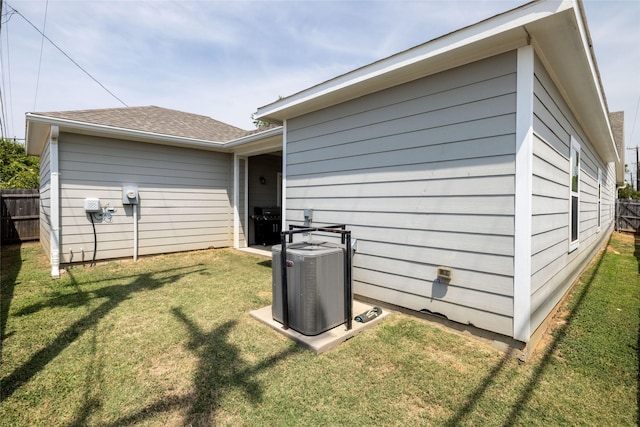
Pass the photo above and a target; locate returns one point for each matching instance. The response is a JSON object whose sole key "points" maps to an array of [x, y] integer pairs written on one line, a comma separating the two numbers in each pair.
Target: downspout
{"points": [[283, 205], [236, 195], [135, 232], [54, 241], [245, 208]]}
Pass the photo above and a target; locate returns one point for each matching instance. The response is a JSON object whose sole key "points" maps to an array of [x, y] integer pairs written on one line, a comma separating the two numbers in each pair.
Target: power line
{"points": [[65, 54], [9, 82], [4, 119], [44, 28]]}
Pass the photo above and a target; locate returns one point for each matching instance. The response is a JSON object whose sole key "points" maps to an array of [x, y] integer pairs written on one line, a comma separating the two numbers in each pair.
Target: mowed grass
{"points": [[169, 341]]}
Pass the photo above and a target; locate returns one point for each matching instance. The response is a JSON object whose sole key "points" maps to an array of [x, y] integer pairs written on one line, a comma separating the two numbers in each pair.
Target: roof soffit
{"points": [[41, 122], [556, 28], [562, 46], [487, 38], [38, 127]]}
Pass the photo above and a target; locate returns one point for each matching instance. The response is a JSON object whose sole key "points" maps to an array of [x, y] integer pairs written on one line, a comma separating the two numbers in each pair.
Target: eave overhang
{"points": [[557, 29], [38, 127]]}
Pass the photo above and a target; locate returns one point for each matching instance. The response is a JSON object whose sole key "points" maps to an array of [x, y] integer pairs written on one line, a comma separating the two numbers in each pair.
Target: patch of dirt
{"points": [[448, 359], [559, 320], [265, 295], [417, 407], [626, 238]]}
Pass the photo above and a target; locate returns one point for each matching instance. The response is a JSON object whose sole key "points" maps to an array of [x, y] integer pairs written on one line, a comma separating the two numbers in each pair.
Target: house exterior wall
{"points": [[554, 265], [184, 197], [45, 200], [423, 174]]}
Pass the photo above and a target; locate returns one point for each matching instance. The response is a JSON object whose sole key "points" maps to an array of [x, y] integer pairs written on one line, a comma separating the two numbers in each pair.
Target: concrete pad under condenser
{"points": [[327, 340]]}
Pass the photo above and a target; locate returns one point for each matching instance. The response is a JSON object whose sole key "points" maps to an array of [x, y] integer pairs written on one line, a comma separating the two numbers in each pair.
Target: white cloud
{"points": [[227, 58]]}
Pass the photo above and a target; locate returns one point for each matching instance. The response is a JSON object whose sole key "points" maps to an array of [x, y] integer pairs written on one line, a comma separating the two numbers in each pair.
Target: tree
{"points": [[627, 192], [259, 124], [17, 170]]}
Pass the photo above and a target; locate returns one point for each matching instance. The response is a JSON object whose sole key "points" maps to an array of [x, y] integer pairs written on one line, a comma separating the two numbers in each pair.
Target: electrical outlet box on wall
{"points": [[92, 204]]}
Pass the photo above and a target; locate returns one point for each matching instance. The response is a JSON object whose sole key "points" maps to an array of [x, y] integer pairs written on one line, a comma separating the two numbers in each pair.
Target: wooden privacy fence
{"points": [[20, 220], [628, 215]]}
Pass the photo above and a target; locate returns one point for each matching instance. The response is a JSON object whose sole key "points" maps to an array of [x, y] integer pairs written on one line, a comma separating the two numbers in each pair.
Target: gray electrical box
{"points": [[308, 215], [315, 286], [130, 195]]}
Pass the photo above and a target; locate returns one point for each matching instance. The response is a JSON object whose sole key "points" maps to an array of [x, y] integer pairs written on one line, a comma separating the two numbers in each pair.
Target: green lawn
{"points": [[168, 341]]}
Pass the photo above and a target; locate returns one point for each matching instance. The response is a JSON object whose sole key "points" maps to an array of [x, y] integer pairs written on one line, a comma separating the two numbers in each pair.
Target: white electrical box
{"points": [[129, 195], [92, 204]]}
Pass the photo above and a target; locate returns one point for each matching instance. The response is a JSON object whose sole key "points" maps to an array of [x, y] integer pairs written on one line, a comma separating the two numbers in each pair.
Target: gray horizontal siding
{"points": [[184, 197], [553, 266], [423, 175]]}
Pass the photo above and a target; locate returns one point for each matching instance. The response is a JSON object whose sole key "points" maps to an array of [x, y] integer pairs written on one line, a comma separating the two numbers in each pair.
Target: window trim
{"points": [[573, 153]]}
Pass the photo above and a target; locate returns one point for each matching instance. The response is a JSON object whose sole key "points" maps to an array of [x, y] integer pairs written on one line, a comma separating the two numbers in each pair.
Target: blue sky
{"points": [[224, 59]]}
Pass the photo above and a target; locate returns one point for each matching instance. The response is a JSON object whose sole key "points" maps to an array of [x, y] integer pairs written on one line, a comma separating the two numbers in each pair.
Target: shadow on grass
{"points": [[79, 297], [477, 394], [91, 403], [114, 296], [266, 263], [11, 265], [220, 369], [541, 367]]}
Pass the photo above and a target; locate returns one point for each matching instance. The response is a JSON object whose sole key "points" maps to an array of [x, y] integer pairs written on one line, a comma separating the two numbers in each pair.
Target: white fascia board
{"points": [[429, 51], [591, 58], [254, 137], [123, 133], [564, 46], [258, 143], [38, 128]]}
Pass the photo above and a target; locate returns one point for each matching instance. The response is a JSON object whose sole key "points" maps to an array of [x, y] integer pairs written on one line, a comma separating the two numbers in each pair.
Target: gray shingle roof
{"points": [[156, 120], [617, 128]]}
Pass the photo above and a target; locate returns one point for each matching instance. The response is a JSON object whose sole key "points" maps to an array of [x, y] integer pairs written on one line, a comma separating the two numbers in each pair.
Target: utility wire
{"points": [[6, 17], [635, 118], [9, 83], [3, 122], [65, 54], [44, 28], [3, 125]]}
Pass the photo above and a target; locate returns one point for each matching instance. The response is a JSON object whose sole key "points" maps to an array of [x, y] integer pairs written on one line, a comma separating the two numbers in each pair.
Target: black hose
{"points": [[95, 241]]}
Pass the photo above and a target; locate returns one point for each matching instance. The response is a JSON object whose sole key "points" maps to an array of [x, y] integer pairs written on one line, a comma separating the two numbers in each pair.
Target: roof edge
{"points": [[38, 126], [428, 51], [113, 131]]}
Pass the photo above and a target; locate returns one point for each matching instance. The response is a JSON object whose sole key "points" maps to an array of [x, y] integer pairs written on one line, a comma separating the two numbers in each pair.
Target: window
{"points": [[599, 212], [574, 207]]}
